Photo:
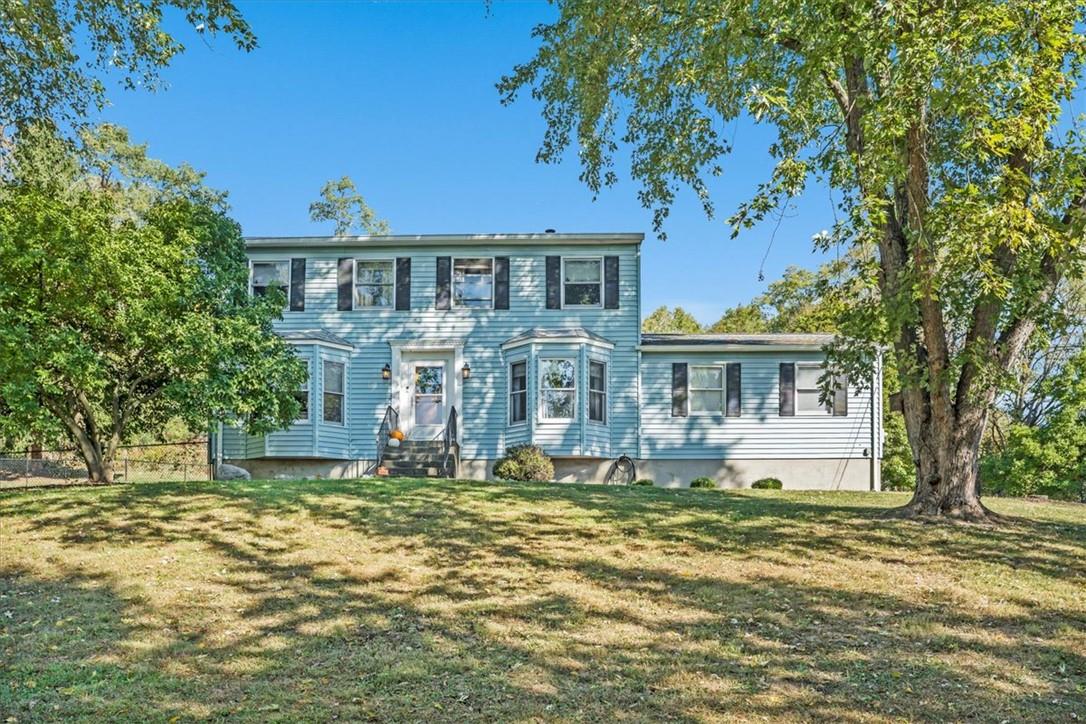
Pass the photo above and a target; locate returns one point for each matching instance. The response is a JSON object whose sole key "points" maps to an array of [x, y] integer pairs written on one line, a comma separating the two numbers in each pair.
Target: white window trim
{"points": [[542, 363], [290, 277], [354, 284], [825, 410], [452, 281], [605, 391], [509, 392], [562, 282], [324, 391], [723, 367], [308, 394]]}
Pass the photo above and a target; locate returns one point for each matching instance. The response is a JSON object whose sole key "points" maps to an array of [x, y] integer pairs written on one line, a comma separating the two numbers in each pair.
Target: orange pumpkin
{"points": [[396, 435]]}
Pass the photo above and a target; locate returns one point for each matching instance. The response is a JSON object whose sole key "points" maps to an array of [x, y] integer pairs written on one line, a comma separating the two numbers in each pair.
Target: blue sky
{"points": [[401, 97]]}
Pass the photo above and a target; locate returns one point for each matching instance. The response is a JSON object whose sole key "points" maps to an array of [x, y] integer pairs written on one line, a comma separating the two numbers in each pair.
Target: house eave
{"points": [[319, 343], [557, 340], [394, 241], [317, 337], [661, 348]]}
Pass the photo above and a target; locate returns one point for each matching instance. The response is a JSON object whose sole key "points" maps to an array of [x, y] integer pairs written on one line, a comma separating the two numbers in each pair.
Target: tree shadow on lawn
{"points": [[711, 520], [475, 601]]}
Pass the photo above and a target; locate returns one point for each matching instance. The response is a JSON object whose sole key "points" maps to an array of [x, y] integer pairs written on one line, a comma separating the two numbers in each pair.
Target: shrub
{"points": [[644, 481], [1046, 460], [525, 463], [898, 471], [703, 482], [767, 484], [1050, 458]]}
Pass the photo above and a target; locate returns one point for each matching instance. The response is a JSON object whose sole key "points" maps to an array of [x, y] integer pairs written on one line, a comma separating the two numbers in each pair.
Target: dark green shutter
{"points": [[501, 282], [840, 396], [554, 282], [297, 285], [344, 284], [734, 405], [678, 389], [787, 389], [443, 294], [610, 282], [403, 283]]}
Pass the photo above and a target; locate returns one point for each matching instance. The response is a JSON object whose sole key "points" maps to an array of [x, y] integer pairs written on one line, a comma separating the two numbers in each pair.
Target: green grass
{"points": [[449, 601]]}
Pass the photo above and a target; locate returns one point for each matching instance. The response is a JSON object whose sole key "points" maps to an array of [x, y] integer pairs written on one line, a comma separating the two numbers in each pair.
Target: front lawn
{"points": [[449, 601]]}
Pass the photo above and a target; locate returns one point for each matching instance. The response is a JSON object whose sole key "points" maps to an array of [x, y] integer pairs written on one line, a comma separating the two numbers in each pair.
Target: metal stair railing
{"points": [[390, 422], [450, 438]]}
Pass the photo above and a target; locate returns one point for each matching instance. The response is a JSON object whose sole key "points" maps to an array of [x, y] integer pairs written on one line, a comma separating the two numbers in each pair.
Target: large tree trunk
{"points": [[76, 415], [99, 469], [947, 456]]}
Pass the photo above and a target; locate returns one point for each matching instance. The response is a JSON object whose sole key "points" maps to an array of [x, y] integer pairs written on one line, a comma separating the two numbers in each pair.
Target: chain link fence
{"points": [[154, 463]]}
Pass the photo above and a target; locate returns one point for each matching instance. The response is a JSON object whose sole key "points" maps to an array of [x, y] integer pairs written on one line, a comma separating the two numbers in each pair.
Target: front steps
{"points": [[418, 459]]}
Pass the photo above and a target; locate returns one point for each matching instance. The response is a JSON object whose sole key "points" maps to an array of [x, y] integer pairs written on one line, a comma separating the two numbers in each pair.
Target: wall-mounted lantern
{"points": [[466, 371], [386, 372]]}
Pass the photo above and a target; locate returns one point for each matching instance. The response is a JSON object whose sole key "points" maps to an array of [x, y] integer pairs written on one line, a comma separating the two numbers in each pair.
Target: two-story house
{"points": [[469, 344]]}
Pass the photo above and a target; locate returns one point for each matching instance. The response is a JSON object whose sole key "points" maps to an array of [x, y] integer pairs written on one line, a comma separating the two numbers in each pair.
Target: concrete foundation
{"points": [[817, 474], [290, 468]]}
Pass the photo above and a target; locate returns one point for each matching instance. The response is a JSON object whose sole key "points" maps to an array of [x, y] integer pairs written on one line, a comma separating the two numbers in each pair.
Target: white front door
{"points": [[427, 396]]}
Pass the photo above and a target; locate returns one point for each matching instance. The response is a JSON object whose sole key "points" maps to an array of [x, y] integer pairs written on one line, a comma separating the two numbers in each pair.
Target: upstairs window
{"points": [[269, 275], [706, 388], [518, 392], [334, 391], [558, 389], [597, 391], [374, 283], [582, 282], [473, 283]]}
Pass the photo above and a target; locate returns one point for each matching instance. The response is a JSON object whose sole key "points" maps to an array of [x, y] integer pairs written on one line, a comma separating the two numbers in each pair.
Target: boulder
{"points": [[231, 472]]}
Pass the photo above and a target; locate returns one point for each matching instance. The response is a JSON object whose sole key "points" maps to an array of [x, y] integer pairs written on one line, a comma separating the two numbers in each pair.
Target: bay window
{"points": [[302, 396], [334, 391], [597, 391], [518, 392], [558, 389]]}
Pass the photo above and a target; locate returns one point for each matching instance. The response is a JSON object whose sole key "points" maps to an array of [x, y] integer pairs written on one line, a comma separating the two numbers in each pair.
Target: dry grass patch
{"points": [[447, 601]]}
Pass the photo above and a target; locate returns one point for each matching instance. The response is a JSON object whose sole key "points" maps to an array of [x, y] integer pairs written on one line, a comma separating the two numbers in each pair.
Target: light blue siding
{"points": [[485, 431], [300, 435], [759, 432], [639, 421], [333, 439]]}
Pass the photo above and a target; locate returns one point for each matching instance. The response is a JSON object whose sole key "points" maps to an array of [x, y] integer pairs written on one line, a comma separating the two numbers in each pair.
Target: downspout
{"points": [[218, 448], [876, 414], [639, 407]]}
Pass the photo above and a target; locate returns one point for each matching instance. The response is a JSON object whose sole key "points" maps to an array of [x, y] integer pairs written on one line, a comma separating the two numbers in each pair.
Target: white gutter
{"points": [[406, 240], [664, 348]]}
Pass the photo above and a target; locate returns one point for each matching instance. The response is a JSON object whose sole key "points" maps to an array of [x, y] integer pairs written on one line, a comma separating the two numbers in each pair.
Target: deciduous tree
{"points": [[343, 205], [939, 125], [56, 56], [664, 320], [124, 301]]}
